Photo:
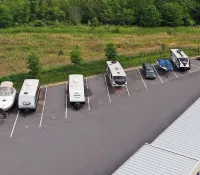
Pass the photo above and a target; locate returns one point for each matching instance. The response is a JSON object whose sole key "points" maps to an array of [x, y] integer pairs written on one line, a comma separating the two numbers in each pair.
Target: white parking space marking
{"points": [[88, 98], [142, 78], [175, 74], [66, 106], [157, 74], [11, 134], [107, 88], [190, 71], [43, 107], [195, 70], [128, 91], [195, 66]]}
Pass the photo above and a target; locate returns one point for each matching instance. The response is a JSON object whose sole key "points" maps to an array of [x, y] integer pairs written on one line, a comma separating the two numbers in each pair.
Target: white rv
{"points": [[116, 73], [180, 59], [76, 90], [29, 95]]}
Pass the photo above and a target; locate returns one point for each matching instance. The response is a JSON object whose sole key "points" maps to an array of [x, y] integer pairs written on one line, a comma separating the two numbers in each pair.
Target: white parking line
{"points": [[14, 124], [195, 70], [158, 74], [142, 78], [107, 88], [43, 107], [190, 71], [88, 98], [128, 91], [175, 74], [195, 66], [66, 106]]}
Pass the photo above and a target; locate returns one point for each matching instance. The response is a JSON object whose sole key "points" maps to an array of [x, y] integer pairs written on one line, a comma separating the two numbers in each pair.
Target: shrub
{"points": [[76, 58], [110, 52], [33, 64], [60, 52], [116, 30], [37, 23], [163, 46], [95, 22]]}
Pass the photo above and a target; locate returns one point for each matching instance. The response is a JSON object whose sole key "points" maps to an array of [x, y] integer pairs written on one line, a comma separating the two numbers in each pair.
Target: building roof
{"points": [[179, 53], [183, 136], [116, 68], [29, 87], [151, 160]]}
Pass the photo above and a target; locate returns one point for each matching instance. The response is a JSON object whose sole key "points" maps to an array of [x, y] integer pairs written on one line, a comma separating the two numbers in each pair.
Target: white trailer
{"points": [[116, 74], [29, 95], [180, 59], [76, 90]]}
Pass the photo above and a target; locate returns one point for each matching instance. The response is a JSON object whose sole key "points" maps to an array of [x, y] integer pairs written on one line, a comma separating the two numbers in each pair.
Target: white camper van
{"points": [[116, 73], [76, 90], [180, 59], [29, 95]]}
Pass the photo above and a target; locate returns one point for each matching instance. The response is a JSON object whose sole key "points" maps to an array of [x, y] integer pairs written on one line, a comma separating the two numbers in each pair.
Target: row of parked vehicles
{"points": [[28, 97]]}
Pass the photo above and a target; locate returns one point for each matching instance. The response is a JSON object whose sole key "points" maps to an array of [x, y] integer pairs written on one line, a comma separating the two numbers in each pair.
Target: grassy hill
{"points": [[53, 44]]}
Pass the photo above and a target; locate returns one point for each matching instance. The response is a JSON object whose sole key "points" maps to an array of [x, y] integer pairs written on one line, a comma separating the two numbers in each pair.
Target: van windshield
{"points": [[184, 59], [119, 78], [6, 91]]}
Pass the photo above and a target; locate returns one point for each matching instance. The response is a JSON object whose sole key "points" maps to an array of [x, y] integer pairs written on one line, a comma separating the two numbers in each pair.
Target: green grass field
{"points": [[17, 43]]}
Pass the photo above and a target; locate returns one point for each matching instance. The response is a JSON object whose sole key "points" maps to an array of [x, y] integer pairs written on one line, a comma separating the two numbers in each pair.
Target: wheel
{"points": [[77, 106], [33, 110]]}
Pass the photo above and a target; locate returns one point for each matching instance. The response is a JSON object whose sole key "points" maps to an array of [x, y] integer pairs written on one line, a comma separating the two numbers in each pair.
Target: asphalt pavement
{"points": [[98, 138]]}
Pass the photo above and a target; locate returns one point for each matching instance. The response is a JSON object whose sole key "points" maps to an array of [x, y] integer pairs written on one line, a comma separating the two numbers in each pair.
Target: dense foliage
{"points": [[94, 12]]}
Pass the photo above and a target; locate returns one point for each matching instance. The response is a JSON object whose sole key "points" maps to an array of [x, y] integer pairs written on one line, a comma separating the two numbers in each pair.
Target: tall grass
{"points": [[47, 42], [61, 73]]}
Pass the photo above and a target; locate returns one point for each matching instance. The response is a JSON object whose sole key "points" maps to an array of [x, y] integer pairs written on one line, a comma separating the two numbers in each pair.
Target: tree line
{"points": [[146, 13]]}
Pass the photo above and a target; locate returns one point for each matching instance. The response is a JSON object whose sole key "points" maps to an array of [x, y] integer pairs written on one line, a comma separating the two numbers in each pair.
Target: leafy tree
{"points": [[172, 14], [76, 58], [118, 12], [149, 16], [33, 64], [110, 52], [6, 18], [74, 15]]}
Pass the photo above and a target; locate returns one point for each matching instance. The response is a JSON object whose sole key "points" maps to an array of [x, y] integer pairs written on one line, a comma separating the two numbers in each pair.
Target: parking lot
{"points": [[99, 137]]}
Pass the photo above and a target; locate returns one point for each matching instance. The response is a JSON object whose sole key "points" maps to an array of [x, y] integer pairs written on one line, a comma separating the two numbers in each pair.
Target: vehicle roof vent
{"points": [[118, 72], [113, 62], [25, 93], [179, 51], [75, 80], [28, 83]]}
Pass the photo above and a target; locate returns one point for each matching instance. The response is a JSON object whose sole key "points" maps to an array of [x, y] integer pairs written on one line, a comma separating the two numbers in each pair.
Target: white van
{"points": [[29, 95], [116, 74], [76, 90]]}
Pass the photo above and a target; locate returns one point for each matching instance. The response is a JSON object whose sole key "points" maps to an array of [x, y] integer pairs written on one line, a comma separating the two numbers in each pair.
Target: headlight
{"points": [[26, 103]]}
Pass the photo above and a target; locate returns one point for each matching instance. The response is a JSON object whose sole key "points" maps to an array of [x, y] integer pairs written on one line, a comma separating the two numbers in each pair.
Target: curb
{"points": [[93, 76], [89, 77]]}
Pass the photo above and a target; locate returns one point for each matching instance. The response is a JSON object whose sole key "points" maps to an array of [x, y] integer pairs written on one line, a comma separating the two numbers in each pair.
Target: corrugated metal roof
{"points": [[183, 136], [151, 160]]}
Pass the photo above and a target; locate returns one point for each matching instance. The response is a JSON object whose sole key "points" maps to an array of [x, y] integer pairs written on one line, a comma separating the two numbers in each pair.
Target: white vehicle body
{"points": [[116, 73], [180, 59], [76, 89], [7, 95], [29, 94]]}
